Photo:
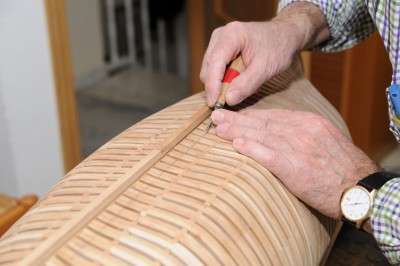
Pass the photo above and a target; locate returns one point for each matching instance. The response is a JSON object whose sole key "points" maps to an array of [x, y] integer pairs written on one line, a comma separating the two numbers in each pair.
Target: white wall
{"points": [[84, 26], [30, 147]]}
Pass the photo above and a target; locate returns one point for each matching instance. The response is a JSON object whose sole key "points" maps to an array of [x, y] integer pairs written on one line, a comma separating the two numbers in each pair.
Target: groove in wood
{"points": [[164, 192]]}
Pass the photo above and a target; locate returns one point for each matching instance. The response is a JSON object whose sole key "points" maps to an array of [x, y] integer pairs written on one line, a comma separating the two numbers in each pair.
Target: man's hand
{"points": [[267, 49], [264, 51], [307, 152]]}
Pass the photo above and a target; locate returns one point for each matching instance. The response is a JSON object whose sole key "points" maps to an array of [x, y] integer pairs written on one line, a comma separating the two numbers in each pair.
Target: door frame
{"points": [[63, 76], [64, 82]]}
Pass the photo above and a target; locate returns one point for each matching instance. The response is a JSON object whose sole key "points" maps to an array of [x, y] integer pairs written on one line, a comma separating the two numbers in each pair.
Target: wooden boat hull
{"points": [[166, 192]]}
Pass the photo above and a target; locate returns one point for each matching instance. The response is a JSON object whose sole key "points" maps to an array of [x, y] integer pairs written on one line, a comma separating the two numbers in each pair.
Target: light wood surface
{"points": [[166, 192]]}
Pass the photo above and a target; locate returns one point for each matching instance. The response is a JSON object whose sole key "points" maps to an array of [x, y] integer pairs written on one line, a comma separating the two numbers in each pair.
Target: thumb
{"points": [[247, 83]]}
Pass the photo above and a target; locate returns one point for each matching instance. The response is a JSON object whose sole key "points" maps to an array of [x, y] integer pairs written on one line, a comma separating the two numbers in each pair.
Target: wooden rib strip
{"points": [[176, 248], [50, 245]]}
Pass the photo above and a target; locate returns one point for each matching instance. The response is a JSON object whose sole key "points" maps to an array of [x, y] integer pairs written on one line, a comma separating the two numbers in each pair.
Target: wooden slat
{"points": [[177, 195], [80, 220]]}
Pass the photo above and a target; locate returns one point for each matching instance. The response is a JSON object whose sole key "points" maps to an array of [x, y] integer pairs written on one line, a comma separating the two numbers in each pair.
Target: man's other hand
{"points": [[307, 152]]}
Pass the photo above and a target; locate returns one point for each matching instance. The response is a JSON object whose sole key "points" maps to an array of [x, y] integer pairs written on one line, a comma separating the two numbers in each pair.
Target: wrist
{"points": [[351, 179], [366, 226], [306, 22], [358, 202]]}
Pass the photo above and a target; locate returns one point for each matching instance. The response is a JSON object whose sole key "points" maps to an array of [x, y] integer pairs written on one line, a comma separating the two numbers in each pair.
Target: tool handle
{"points": [[234, 69]]}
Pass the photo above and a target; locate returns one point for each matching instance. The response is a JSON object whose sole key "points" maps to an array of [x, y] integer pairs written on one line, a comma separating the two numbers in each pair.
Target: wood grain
{"points": [[197, 42], [64, 82], [166, 192]]}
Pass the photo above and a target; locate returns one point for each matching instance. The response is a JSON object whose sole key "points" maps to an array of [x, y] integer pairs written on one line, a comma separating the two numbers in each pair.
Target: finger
{"points": [[213, 89], [215, 36], [222, 53], [247, 83], [267, 157], [273, 138], [254, 120], [300, 121], [222, 116], [231, 125], [282, 115], [216, 67]]}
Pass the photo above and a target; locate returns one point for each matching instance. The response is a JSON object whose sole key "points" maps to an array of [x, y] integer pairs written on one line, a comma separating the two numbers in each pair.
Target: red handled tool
{"points": [[233, 70]]}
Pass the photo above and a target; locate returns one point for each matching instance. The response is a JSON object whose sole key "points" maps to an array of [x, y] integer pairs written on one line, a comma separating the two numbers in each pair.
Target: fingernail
{"points": [[212, 99], [209, 100], [217, 116], [237, 142], [221, 128]]}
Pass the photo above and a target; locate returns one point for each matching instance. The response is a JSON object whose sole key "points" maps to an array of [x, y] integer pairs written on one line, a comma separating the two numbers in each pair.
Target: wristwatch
{"points": [[357, 201]]}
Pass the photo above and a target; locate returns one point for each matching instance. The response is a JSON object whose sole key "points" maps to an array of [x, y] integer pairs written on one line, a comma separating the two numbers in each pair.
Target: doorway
{"points": [[129, 60]]}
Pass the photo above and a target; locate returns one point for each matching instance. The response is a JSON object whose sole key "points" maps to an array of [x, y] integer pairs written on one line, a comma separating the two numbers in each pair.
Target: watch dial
{"points": [[355, 203]]}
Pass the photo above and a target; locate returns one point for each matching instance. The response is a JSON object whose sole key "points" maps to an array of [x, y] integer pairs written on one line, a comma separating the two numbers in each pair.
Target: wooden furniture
{"points": [[166, 192], [354, 81], [11, 209]]}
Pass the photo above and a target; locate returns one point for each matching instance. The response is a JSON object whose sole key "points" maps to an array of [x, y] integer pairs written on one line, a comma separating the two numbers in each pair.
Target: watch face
{"points": [[355, 203]]}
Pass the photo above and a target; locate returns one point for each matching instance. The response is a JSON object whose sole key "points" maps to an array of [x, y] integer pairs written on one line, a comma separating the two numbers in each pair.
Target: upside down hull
{"points": [[164, 192]]}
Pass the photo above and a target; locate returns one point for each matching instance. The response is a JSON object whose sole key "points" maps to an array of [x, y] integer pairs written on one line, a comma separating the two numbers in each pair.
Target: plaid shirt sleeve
{"points": [[348, 20], [385, 220]]}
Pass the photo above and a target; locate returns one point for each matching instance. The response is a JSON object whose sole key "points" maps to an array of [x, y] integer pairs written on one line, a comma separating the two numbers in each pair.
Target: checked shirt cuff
{"points": [[349, 22], [385, 220]]}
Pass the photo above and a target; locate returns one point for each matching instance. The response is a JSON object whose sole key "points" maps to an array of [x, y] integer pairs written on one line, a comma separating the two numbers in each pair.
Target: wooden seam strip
{"points": [[47, 248]]}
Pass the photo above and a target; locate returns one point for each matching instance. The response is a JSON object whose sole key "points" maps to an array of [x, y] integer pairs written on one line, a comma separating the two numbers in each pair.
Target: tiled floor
{"points": [[117, 103], [107, 109]]}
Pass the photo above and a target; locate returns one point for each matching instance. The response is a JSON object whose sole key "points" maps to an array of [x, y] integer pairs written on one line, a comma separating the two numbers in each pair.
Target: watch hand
{"points": [[356, 203]]}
